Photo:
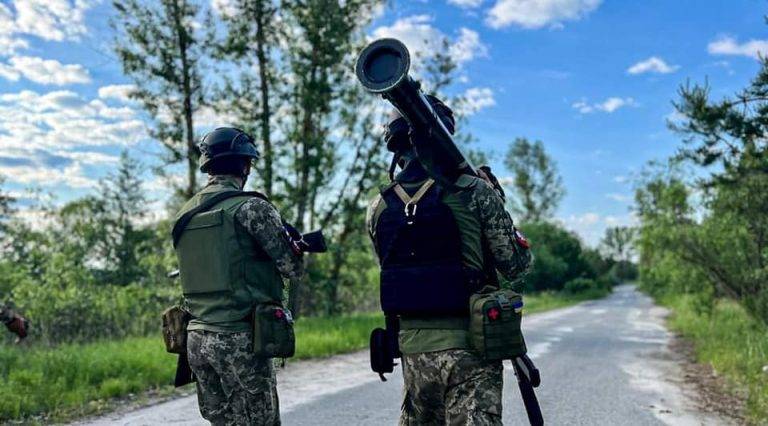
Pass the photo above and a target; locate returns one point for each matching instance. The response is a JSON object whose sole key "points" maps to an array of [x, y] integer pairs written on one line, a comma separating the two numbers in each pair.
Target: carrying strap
{"points": [[181, 224], [411, 202]]}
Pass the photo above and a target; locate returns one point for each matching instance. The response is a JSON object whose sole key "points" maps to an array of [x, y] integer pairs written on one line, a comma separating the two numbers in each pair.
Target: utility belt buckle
{"points": [[504, 303], [410, 212]]}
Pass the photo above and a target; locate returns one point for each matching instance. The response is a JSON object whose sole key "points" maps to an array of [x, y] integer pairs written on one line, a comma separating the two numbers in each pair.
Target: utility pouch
{"points": [[384, 347], [273, 335], [175, 321], [494, 324]]}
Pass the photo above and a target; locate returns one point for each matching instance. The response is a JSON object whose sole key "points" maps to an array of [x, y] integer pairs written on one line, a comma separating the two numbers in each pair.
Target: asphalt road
{"points": [[603, 362]]}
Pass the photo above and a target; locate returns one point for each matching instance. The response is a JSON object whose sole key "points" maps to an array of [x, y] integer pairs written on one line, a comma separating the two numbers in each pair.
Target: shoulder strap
{"points": [[407, 199], [181, 224]]}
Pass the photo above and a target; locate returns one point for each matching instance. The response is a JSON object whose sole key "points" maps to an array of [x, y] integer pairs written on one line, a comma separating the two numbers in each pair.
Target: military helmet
{"points": [[397, 130], [226, 142]]}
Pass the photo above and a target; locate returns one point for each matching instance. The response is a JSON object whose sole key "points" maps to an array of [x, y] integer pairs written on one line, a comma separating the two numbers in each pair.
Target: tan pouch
{"points": [[175, 322]]}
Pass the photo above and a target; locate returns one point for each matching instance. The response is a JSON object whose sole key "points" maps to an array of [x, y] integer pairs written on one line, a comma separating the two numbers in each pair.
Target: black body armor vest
{"points": [[419, 246]]}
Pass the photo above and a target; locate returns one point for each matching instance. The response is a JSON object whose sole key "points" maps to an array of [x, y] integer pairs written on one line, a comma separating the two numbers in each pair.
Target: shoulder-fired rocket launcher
{"points": [[382, 68]]}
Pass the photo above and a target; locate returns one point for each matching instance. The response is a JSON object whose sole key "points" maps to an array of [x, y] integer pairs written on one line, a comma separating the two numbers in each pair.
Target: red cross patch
{"points": [[279, 314], [493, 314]]}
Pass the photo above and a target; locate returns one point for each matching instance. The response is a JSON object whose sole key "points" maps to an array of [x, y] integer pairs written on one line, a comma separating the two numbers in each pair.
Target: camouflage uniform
{"points": [[233, 385], [446, 382]]}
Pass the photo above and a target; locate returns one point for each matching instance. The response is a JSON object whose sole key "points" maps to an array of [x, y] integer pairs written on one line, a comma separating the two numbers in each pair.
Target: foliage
{"points": [[537, 187], [618, 242], [162, 52], [559, 257], [730, 340], [720, 236]]}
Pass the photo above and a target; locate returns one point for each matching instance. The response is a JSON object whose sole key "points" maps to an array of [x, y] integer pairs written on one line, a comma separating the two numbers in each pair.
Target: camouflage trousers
{"points": [[234, 387], [451, 387]]}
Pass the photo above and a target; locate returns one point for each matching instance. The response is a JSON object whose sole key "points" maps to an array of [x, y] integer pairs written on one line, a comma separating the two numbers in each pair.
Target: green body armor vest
{"points": [[224, 273]]}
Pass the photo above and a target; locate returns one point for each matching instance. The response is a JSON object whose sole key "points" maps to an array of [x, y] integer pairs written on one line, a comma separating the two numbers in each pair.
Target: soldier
{"points": [[434, 243], [234, 259], [14, 322]]}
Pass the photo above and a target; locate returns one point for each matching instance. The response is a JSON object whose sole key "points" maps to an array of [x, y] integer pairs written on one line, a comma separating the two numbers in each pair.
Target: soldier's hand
{"points": [[18, 326]]}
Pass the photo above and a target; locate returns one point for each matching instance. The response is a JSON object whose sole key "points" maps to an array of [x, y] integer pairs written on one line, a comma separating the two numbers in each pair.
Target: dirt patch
{"points": [[713, 395]]}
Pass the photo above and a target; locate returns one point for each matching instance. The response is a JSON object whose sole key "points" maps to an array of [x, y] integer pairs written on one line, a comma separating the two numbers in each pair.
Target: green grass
{"points": [[71, 380], [735, 344], [546, 301]]}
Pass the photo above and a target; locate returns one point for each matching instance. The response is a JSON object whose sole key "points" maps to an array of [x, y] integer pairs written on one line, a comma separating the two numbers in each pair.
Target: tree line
{"points": [[704, 228]]}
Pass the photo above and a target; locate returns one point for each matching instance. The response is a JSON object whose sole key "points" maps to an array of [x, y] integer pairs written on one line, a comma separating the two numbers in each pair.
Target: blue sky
{"points": [[592, 79]]}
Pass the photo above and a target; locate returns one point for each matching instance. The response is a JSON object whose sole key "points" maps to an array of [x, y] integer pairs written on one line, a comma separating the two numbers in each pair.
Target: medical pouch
{"points": [[273, 335], [494, 324]]}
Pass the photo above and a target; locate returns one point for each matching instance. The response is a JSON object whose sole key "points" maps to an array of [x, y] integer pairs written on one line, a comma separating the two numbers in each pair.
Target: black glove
{"points": [[311, 242]]}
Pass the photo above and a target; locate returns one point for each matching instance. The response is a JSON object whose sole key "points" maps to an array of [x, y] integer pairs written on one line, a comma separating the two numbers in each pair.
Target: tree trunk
{"points": [[181, 37], [264, 87]]}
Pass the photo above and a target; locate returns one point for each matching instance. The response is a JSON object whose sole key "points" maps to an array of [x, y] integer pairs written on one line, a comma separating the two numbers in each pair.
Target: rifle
{"points": [[382, 68], [528, 377]]}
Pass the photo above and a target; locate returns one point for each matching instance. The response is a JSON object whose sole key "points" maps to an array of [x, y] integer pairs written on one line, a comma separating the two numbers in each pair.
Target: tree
{"points": [[125, 206], [732, 134], [6, 209], [537, 188], [160, 50], [252, 37], [618, 243]]}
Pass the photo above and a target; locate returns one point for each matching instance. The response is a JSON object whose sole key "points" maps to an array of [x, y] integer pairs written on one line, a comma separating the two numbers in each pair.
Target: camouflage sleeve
{"points": [[511, 260], [262, 221], [6, 314], [371, 217]]}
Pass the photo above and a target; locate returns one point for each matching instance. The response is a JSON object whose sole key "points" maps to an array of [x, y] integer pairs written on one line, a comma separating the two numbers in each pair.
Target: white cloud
{"points": [[71, 176], [591, 226], [609, 105], [621, 198], [423, 39], [533, 14], [62, 120], [466, 4], [467, 46], [475, 99], [55, 139], [54, 20], [654, 64], [8, 72], [727, 45], [119, 92], [44, 71]]}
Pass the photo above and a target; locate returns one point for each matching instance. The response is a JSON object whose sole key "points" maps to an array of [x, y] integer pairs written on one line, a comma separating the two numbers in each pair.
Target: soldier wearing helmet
{"points": [[233, 257], [437, 244]]}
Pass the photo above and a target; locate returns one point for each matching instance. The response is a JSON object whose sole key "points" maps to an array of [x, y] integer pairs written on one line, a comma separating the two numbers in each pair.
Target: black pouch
{"points": [[382, 359], [384, 347], [273, 335]]}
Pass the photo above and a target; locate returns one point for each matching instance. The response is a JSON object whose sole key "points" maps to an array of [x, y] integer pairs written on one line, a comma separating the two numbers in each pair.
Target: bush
{"points": [[588, 286], [559, 257]]}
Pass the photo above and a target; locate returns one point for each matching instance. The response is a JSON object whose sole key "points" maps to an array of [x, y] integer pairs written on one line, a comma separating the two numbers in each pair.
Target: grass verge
{"points": [[735, 344], [68, 381]]}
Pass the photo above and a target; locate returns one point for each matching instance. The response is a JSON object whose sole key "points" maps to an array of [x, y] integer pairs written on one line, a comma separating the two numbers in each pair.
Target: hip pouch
{"points": [[273, 335], [175, 322], [494, 324]]}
